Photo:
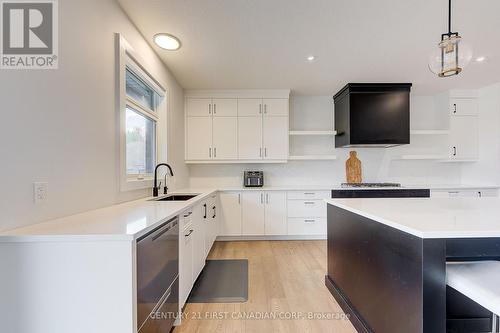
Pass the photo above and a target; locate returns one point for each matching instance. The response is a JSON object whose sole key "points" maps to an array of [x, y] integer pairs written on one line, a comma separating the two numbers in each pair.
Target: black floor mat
{"points": [[221, 281]]}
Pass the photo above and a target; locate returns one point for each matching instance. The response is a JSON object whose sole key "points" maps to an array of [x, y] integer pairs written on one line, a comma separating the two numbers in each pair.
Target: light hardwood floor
{"points": [[285, 278]]}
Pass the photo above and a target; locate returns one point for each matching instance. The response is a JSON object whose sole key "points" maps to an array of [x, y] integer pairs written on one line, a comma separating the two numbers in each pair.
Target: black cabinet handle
{"points": [[214, 212], [454, 151], [205, 215]]}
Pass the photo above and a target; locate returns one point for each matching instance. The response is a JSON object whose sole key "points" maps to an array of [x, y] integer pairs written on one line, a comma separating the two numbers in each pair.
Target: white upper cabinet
{"points": [[225, 107], [248, 107], [463, 138], [275, 213], [198, 107], [237, 126], [275, 106], [225, 138], [463, 107], [199, 138], [275, 138], [250, 138]]}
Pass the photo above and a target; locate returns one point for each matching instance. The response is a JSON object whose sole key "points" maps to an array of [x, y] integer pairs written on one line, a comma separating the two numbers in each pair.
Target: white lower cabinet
{"points": [[275, 213], [478, 193], [302, 226], [199, 228], [306, 208], [230, 213], [185, 260], [210, 221], [198, 235], [252, 212], [307, 213]]}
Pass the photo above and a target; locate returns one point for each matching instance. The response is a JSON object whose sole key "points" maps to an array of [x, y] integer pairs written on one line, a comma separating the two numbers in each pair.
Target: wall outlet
{"points": [[40, 192]]}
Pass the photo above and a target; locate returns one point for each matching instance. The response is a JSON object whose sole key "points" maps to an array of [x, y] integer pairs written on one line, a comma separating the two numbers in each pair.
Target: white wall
{"points": [[487, 170], [379, 165], [59, 126]]}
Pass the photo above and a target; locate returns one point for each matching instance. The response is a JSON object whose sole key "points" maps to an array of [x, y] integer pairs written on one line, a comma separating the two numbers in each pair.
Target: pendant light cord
{"points": [[449, 17]]}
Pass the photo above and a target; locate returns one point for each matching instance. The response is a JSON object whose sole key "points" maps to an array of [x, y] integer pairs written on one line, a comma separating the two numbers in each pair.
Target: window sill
{"points": [[136, 184]]}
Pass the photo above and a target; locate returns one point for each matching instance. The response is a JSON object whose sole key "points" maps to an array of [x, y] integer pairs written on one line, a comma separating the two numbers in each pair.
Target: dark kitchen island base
{"points": [[388, 280]]}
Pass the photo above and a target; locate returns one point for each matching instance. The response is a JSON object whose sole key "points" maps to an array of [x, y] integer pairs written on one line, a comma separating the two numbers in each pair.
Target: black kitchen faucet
{"points": [[155, 186]]}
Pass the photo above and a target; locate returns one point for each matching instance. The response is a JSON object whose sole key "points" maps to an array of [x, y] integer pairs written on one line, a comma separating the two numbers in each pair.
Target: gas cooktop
{"points": [[371, 185]]}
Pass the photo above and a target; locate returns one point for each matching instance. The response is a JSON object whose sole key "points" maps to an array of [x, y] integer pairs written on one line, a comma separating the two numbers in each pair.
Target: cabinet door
{"points": [[198, 236], [275, 213], [225, 107], [463, 107], [464, 137], [198, 107], [252, 213], [230, 213], [275, 138], [210, 224], [199, 138], [185, 264], [250, 138], [275, 107], [248, 107], [225, 138]]}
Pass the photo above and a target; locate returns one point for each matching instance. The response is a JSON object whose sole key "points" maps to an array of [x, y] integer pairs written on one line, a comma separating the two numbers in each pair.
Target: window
{"points": [[140, 143], [141, 103]]}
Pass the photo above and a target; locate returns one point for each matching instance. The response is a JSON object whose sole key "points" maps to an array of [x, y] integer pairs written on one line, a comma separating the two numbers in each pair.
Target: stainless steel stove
{"points": [[355, 185]]}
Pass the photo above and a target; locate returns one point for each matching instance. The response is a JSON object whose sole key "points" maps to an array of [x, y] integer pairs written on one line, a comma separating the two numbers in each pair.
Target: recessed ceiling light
{"points": [[311, 58], [167, 41], [480, 59]]}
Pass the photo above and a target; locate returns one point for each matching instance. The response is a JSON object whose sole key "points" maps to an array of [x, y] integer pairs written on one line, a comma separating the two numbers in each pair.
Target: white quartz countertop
{"points": [[436, 187], [126, 221], [431, 217]]}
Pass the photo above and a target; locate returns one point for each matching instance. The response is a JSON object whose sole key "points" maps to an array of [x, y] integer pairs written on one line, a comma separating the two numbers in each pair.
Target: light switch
{"points": [[40, 192]]}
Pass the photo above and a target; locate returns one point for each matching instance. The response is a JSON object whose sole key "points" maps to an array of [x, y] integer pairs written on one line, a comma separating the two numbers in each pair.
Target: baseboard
{"points": [[354, 317], [285, 237]]}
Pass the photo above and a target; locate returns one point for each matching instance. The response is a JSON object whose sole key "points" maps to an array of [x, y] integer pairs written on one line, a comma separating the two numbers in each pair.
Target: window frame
{"points": [[127, 58]]}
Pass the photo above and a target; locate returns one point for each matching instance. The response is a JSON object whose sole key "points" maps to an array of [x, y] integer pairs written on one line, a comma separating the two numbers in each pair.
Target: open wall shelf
{"points": [[312, 157], [323, 133], [429, 132]]}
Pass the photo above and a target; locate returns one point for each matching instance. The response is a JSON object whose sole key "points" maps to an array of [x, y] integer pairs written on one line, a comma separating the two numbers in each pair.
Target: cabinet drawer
{"points": [[306, 208], [185, 218], [311, 195], [479, 193], [307, 226]]}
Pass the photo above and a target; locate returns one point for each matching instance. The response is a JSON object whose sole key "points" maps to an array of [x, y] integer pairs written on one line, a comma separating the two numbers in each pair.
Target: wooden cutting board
{"points": [[353, 168]]}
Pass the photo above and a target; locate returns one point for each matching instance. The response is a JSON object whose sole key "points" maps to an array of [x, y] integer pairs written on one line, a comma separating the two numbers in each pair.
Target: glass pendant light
{"points": [[452, 54]]}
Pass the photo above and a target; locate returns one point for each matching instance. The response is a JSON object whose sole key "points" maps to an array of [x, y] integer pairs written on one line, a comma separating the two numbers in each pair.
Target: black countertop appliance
{"points": [[253, 179], [372, 115]]}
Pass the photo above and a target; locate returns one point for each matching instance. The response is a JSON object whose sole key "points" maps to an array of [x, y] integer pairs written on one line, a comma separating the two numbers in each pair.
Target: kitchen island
{"points": [[387, 257]]}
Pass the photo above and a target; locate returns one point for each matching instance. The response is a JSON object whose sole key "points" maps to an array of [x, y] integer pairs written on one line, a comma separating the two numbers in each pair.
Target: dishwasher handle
{"points": [[158, 232]]}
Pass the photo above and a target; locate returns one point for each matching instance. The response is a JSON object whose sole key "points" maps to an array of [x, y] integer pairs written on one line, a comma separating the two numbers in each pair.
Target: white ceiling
{"points": [[251, 44]]}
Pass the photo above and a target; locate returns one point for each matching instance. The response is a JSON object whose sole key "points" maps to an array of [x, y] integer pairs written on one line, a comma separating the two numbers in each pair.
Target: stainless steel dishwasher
{"points": [[157, 278]]}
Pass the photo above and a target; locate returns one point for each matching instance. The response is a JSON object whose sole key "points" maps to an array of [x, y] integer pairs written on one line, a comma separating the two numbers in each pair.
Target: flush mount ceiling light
{"points": [[167, 41], [452, 54], [311, 58], [480, 59]]}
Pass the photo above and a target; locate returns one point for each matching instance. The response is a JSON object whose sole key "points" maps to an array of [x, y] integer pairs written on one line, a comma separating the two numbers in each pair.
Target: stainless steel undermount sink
{"points": [[176, 197]]}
